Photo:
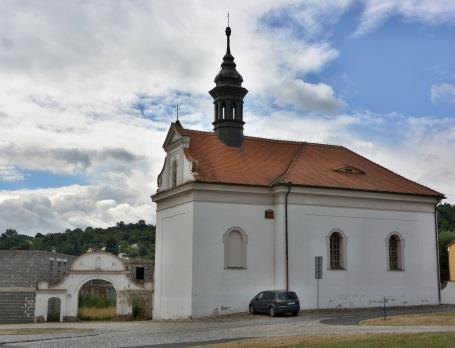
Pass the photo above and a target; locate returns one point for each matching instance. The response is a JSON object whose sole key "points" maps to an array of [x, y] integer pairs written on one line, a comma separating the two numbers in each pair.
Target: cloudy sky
{"points": [[88, 90]]}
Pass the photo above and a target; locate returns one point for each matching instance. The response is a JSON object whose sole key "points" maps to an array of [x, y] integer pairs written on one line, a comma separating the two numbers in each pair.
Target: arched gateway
{"points": [[87, 267]]}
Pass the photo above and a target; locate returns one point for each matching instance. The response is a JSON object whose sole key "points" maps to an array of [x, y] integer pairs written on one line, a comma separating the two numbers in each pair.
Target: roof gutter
{"points": [[289, 184], [438, 267]]}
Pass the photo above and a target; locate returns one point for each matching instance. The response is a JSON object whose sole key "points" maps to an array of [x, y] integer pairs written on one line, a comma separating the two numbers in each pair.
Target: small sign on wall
{"points": [[318, 267], [317, 275]]}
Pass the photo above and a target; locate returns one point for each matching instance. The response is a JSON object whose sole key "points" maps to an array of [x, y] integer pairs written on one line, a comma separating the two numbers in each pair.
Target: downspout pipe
{"points": [[436, 229], [289, 184]]}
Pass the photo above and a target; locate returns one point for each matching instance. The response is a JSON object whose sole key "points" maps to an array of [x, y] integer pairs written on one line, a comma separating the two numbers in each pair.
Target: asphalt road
{"points": [[170, 334]]}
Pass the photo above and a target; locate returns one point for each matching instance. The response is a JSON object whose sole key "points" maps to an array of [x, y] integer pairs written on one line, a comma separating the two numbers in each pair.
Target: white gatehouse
{"points": [[90, 266]]}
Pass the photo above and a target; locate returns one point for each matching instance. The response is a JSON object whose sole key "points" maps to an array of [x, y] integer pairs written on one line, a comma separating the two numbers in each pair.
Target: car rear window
{"points": [[269, 295], [287, 296]]}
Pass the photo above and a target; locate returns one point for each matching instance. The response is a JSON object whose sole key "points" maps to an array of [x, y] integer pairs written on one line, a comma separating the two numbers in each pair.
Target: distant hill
{"points": [[132, 239]]}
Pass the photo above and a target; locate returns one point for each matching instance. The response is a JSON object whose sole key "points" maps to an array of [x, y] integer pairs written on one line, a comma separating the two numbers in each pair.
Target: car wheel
{"points": [[272, 311], [252, 311]]}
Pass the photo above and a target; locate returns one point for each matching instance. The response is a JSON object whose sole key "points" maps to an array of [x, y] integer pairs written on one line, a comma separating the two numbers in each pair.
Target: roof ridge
{"points": [[291, 164], [274, 140]]}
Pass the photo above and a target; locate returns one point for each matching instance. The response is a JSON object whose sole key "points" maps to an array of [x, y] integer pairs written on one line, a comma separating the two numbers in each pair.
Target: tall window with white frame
{"points": [[174, 174], [336, 251], [395, 257]]}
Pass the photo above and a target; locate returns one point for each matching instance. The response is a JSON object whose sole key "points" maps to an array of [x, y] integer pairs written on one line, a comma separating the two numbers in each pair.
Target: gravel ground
{"points": [[210, 330]]}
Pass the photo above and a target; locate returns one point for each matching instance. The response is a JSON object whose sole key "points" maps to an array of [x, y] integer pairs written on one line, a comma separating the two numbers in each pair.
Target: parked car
{"points": [[275, 302]]}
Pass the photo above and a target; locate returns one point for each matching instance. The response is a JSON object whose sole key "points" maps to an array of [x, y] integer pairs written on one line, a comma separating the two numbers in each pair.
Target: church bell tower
{"points": [[228, 97]]}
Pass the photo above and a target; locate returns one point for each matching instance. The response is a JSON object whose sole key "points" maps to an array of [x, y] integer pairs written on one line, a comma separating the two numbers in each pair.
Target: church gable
{"points": [[175, 136], [178, 166]]}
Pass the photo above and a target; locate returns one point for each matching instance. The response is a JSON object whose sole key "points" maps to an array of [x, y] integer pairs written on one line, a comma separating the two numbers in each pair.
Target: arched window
{"points": [[395, 253], [174, 174], [223, 111], [335, 251], [215, 106], [337, 257], [235, 241]]}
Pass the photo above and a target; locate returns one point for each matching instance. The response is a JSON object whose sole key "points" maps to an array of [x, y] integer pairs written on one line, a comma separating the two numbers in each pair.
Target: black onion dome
{"points": [[228, 74]]}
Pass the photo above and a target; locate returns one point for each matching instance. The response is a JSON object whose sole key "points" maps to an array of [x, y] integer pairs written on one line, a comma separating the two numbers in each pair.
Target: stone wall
{"points": [[17, 306], [24, 268], [20, 271], [147, 264]]}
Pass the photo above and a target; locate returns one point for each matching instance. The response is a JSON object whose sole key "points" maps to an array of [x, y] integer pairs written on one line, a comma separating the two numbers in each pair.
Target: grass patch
{"points": [[35, 331], [436, 340], [423, 319], [93, 313]]}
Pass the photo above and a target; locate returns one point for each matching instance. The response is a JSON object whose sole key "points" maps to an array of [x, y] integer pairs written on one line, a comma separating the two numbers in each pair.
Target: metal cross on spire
{"points": [[228, 18], [177, 109]]}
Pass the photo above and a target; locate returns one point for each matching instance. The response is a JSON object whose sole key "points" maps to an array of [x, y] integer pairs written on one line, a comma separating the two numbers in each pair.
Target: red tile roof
{"points": [[268, 162]]}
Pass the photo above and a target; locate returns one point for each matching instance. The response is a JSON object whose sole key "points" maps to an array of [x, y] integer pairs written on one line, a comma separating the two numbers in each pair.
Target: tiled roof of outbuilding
{"points": [[268, 162]]}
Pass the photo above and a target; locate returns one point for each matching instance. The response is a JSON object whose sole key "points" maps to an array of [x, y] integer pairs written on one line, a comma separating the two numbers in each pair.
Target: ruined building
{"points": [[22, 272]]}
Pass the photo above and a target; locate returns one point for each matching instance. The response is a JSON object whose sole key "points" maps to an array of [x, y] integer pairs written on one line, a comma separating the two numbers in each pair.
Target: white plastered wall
{"points": [[366, 280], [217, 290], [173, 262], [366, 220], [448, 293]]}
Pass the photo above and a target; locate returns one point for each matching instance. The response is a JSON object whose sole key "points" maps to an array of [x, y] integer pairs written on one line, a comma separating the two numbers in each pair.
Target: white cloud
{"points": [[432, 12], [67, 160], [52, 210], [10, 174], [425, 153], [306, 96], [422, 149], [444, 92]]}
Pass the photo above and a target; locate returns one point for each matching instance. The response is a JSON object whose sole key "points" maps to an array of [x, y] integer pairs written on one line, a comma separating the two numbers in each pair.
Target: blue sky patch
{"points": [[34, 179]]}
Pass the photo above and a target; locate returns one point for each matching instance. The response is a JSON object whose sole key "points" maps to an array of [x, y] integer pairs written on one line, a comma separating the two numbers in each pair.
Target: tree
{"points": [[142, 251], [446, 217], [123, 244], [77, 241], [9, 233], [112, 246]]}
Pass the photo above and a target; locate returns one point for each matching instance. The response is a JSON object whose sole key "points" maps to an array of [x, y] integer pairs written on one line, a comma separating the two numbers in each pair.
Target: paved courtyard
{"points": [[204, 331]]}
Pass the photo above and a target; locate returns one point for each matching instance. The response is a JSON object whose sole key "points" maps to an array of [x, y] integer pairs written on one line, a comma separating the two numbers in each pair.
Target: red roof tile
{"points": [[268, 162]]}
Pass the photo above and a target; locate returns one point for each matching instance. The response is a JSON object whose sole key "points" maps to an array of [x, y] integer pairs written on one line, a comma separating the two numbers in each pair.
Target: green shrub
{"points": [[138, 309], [95, 300]]}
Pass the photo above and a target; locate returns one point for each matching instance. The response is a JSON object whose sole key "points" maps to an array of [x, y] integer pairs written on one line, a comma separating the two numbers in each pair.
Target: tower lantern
{"points": [[228, 97]]}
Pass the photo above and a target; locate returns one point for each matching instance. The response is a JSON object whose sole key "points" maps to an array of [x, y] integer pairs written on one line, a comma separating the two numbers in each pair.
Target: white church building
{"points": [[237, 215]]}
